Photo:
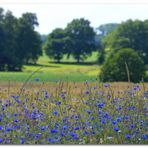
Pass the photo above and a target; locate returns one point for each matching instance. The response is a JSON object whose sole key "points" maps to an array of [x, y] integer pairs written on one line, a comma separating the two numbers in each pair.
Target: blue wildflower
{"points": [[103, 122], [53, 131], [87, 92], [118, 119], [77, 128], [89, 111], [74, 135], [114, 122], [101, 105], [127, 117], [59, 103], [62, 134], [128, 136], [37, 79], [55, 113], [116, 129], [1, 140], [9, 129], [65, 127], [22, 141], [1, 127], [16, 120], [145, 137]]}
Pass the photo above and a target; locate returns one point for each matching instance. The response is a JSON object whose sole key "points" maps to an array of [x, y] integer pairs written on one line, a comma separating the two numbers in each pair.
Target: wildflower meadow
{"points": [[73, 113]]}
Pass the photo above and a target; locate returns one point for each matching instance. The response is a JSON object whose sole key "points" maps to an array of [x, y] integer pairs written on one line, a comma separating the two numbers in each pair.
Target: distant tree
{"points": [[130, 34], [11, 49], [28, 39], [81, 39], [125, 60], [102, 32], [2, 39], [55, 45], [107, 28]]}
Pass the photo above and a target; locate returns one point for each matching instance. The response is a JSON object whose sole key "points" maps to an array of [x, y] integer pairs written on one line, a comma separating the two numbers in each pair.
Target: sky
{"points": [[53, 14]]}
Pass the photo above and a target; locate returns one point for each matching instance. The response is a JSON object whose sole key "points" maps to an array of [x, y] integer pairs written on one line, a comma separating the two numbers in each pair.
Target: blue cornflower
{"points": [[22, 141], [50, 139], [103, 122], [16, 127], [145, 137], [87, 92], [128, 136], [37, 136], [118, 119], [16, 120], [42, 128], [89, 111], [127, 117], [55, 112], [116, 129], [93, 132], [101, 105], [132, 126], [76, 117], [92, 118], [1, 140], [65, 127], [119, 108], [62, 134], [77, 128], [59, 103], [9, 129], [105, 115], [1, 127], [74, 135], [114, 122], [53, 131], [37, 79]]}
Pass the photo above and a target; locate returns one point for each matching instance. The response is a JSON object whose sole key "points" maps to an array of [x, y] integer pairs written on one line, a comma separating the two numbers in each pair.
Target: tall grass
{"points": [[73, 113]]}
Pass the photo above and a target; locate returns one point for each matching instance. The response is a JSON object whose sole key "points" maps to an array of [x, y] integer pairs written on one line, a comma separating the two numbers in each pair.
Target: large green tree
{"points": [[130, 34], [28, 39], [124, 65], [55, 45], [19, 42], [81, 40]]}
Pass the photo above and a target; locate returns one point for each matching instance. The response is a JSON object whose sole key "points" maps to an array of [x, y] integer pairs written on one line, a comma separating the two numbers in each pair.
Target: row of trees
{"points": [[19, 42], [77, 39]]}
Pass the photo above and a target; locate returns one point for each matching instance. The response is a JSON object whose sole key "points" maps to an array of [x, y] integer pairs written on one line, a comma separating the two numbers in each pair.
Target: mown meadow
{"points": [[67, 104]]}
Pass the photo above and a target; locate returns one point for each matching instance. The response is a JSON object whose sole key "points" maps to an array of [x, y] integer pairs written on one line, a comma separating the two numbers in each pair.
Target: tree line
{"points": [[19, 42], [122, 48]]}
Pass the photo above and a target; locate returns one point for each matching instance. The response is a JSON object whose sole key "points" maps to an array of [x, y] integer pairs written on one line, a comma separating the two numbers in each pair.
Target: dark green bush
{"points": [[115, 69]]}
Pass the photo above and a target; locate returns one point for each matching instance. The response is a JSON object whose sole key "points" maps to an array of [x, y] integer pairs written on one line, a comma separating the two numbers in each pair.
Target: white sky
{"points": [[57, 13]]}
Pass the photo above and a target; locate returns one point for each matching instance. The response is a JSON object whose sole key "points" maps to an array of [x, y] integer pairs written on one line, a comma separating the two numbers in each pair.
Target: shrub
{"points": [[117, 66]]}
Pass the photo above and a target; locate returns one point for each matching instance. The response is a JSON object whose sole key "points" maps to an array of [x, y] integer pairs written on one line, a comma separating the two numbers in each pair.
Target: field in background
{"points": [[68, 70]]}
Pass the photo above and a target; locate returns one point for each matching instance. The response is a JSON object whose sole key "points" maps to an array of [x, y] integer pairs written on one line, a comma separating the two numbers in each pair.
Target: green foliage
{"points": [[130, 34], [81, 40], [114, 68], [19, 43], [55, 45]]}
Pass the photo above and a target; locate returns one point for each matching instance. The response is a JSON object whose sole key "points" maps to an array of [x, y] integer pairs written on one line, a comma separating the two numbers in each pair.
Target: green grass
{"points": [[54, 72]]}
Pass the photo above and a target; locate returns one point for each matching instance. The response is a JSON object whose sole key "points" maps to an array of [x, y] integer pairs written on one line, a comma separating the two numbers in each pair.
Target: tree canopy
{"points": [[19, 42], [130, 34], [81, 36]]}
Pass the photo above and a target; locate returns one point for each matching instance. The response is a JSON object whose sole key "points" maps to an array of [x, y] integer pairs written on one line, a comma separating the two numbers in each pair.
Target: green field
{"points": [[68, 70]]}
